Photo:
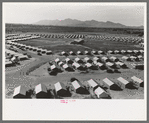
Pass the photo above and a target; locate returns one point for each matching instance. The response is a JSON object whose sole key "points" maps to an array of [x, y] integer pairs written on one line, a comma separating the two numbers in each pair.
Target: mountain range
{"points": [[88, 23]]}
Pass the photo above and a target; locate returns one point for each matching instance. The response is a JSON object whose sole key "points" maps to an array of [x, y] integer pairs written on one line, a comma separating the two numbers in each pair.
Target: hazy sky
{"points": [[128, 14]]}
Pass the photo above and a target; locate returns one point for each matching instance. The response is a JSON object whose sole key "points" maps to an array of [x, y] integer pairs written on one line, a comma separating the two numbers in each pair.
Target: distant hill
{"points": [[88, 23]]}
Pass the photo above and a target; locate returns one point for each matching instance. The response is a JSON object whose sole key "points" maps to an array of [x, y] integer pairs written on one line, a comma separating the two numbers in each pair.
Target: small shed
{"points": [[19, 92], [96, 59], [64, 53], [94, 52], [60, 89], [48, 52], [129, 51], [110, 64], [86, 52], [57, 60], [60, 63], [114, 59], [67, 68], [86, 59], [88, 65], [123, 83], [41, 91], [125, 58], [137, 81], [121, 64], [100, 93], [78, 60], [77, 66], [108, 83], [100, 52], [110, 52], [92, 84], [79, 53], [105, 59], [116, 51], [68, 61], [78, 87], [71, 53]]}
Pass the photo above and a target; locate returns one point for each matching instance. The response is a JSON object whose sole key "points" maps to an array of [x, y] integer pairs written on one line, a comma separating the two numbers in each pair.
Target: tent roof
{"points": [[40, 88], [88, 64], [59, 86], [65, 66], [76, 64], [122, 80], [19, 90], [53, 66], [107, 81], [99, 91], [109, 63], [92, 83], [76, 84], [136, 79]]}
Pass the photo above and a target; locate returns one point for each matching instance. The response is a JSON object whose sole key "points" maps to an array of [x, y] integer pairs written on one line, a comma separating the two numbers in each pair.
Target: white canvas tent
{"points": [[60, 89], [79, 53], [100, 93], [92, 84], [137, 81], [78, 87], [122, 82], [121, 64], [108, 83], [60, 63], [57, 60], [41, 91], [86, 59], [71, 53], [110, 64], [78, 60], [105, 59], [19, 92], [114, 59], [68, 61]]}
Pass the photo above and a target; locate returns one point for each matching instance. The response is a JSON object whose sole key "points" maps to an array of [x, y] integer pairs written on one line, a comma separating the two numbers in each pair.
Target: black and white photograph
{"points": [[63, 54]]}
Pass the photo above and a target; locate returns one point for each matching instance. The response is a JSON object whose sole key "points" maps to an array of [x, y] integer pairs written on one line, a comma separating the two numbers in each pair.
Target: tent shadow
{"points": [[116, 88]]}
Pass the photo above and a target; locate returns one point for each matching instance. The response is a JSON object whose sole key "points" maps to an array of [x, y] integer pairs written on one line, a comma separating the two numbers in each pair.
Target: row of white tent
{"points": [[82, 64], [10, 35], [102, 37], [14, 57], [61, 90], [132, 58], [21, 38], [102, 52], [31, 48], [18, 36]]}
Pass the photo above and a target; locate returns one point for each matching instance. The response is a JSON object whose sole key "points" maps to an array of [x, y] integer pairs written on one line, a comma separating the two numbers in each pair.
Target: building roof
{"points": [[122, 80], [92, 83], [65, 66], [19, 90], [107, 81], [58, 86], [99, 91], [109, 64], [76, 84], [134, 78], [40, 88], [76, 64]]}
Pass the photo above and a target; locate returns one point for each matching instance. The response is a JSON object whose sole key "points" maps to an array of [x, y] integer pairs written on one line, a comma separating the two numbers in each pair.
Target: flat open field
{"points": [[64, 45]]}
